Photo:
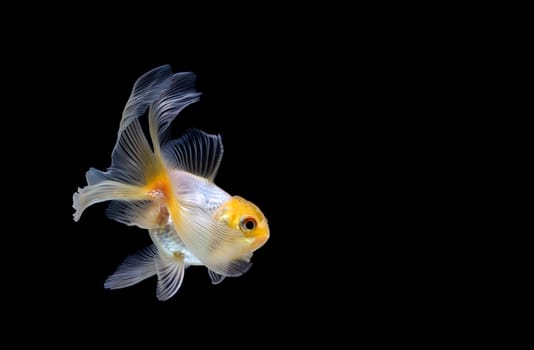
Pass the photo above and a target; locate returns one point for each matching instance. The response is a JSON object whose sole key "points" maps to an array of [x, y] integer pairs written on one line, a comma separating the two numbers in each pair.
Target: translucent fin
{"points": [[105, 191], [221, 248], [163, 111], [236, 267], [144, 214], [133, 166], [134, 269], [145, 91], [137, 172], [132, 160], [196, 152], [215, 277], [170, 272]]}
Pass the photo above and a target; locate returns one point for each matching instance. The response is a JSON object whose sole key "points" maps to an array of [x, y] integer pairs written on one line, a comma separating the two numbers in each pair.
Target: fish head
{"points": [[246, 217]]}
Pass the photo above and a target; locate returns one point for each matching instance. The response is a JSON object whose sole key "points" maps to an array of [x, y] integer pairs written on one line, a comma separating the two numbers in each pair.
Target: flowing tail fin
{"points": [[137, 173]]}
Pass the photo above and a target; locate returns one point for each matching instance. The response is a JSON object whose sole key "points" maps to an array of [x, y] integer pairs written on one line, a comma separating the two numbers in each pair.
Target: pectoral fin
{"points": [[215, 277]]}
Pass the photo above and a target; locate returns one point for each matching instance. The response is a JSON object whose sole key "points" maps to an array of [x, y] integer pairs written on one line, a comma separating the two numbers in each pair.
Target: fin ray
{"points": [[105, 191], [196, 152], [131, 160], [143, 214], [162, 112], [134, 269], [145, 91], [170, 271], [215, 277]]}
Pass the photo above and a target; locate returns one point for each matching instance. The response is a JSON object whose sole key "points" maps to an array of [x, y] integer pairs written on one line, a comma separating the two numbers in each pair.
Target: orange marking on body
{"points": [[160, 189]]}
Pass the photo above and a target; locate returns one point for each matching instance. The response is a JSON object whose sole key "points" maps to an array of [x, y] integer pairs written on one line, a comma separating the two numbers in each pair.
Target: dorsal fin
{"points": [[196, 152]]}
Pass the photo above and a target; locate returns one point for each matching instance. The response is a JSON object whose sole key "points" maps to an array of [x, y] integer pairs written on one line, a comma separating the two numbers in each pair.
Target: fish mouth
{"points": [[258, 242]]}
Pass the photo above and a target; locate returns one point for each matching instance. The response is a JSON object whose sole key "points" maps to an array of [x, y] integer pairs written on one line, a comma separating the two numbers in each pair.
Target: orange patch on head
{"points": [[242, 215]]}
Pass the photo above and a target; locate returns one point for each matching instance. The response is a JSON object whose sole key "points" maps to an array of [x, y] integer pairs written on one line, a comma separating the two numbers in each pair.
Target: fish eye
{"points": [[247, 224]]}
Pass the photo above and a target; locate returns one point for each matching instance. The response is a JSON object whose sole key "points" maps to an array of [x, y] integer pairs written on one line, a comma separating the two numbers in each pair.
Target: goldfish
{"points": [[166, 186]]}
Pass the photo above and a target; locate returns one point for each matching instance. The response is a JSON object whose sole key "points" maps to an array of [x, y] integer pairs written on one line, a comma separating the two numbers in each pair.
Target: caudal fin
{"points": [[137, 173]]}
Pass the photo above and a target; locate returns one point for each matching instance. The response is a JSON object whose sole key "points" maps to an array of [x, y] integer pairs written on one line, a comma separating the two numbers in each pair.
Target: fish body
{"points": [[167, 187]]}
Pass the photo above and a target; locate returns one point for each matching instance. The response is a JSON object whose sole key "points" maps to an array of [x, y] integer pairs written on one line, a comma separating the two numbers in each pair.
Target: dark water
{"points": [[308, 146]]}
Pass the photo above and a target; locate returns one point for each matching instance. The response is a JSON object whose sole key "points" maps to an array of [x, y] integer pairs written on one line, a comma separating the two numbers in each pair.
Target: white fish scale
{"points": [[168, 242], [198, 191]]}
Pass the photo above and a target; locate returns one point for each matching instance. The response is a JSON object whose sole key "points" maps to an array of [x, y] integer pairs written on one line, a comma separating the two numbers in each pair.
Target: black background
{"points": [[311, 142], [344, 125], [285, 150]]}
